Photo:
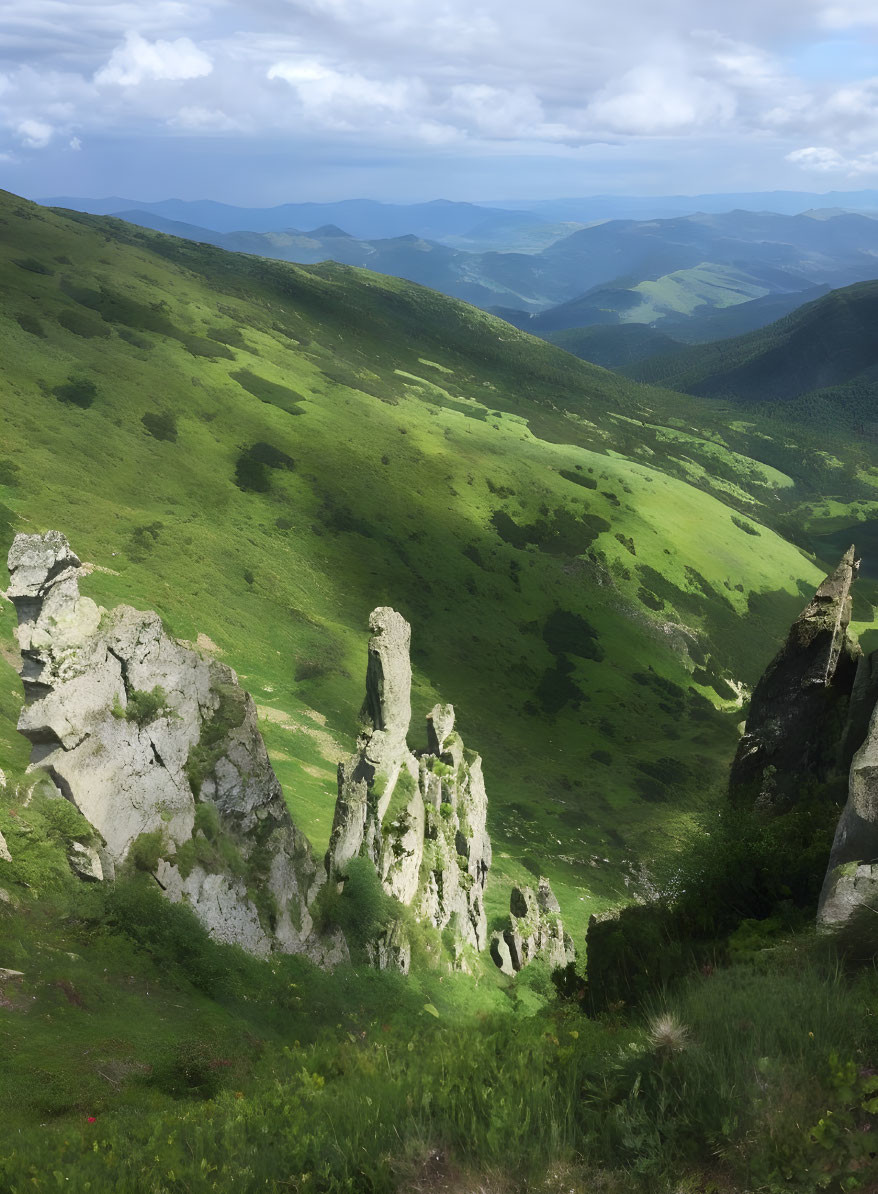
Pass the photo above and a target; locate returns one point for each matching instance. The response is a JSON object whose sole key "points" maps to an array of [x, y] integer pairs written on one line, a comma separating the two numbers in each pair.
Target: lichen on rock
{"points": [[535, 930]]}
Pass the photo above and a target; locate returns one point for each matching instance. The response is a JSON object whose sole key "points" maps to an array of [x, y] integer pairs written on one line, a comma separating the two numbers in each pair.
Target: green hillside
{"points": [[818, 363], [592, 569], [614, 345], [263, 453]]}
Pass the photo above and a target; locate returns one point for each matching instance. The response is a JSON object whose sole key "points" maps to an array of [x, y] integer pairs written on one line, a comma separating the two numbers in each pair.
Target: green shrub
{"points": [[30, 324], [145, 707], [747, 527], [32, 265], [229, 714], [9, 472], [161, 426], [82, 323], [78, 391], [146, 851]]}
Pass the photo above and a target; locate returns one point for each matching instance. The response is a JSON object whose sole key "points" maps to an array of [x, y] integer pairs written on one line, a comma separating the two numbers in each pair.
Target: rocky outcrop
{"points": [[850, 888], [159, 749], [796, 725], [812, 719], [420, 818], [535, 930]]}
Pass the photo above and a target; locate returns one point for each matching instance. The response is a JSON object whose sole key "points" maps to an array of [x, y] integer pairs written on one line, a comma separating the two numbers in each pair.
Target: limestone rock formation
{"points": [[159, 749], [535, 930], [797, 714], [851, 883], [420, 818]]}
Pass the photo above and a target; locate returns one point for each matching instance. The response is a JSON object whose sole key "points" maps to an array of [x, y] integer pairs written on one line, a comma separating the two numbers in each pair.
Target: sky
{"points": [[266, 101]]}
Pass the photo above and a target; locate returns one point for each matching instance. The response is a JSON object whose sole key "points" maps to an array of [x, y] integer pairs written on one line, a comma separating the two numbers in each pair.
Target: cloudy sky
{"points": [[263, 101]]}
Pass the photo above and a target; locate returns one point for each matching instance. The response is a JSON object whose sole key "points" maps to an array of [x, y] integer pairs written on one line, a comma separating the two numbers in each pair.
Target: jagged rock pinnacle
{"points": [[420, 820], [388, 703], [791, 738]]}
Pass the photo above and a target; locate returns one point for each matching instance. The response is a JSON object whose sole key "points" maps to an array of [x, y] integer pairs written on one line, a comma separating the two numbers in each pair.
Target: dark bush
{"points": [[161, 426], [566, 633], [32, 265], [78, 391], [30, 324], [81, 323]]}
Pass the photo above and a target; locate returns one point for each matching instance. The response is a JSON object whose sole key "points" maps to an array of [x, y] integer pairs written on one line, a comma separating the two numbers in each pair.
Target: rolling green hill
{"points": [[818, 363], [614, 345], [263, 453]]}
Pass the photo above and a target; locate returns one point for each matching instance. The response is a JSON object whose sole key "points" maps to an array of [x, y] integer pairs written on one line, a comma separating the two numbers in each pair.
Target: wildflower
{"points": [[667, 1035], [92, 1119]]}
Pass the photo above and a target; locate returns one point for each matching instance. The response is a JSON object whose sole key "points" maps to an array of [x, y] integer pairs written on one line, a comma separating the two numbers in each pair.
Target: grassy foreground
{"points": [[154, 1060]]}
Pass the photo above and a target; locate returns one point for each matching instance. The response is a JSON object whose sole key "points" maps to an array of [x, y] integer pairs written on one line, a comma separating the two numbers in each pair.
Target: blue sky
{"points": [[287, 100]]}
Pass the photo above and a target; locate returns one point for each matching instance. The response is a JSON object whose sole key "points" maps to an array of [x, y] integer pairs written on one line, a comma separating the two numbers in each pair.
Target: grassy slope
{"points": [[614, 345], [421, 421]]}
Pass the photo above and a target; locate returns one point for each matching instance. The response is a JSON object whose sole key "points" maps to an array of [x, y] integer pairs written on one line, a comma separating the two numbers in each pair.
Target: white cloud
{"points": [[75, 144], [203, 119], [138, 60], [34, 134], [846, 14], [655, 100], [824, 160], [347, 100]]}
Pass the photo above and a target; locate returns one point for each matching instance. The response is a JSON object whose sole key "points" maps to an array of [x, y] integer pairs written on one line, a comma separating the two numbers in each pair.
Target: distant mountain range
{"points": [[654, 207], [362, 218], [543, 277]]}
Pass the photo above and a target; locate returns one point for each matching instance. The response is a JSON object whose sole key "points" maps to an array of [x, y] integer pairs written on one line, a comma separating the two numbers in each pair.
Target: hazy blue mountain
{"points": [[620, 271], [652, 207], [364, 218], [454, 272]]}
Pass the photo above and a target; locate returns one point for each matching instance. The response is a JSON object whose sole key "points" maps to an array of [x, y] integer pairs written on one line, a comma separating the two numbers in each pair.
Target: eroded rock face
{"points": [[798, 712], [851, 882], [420, 819], [535, 930], [160, 750]]}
